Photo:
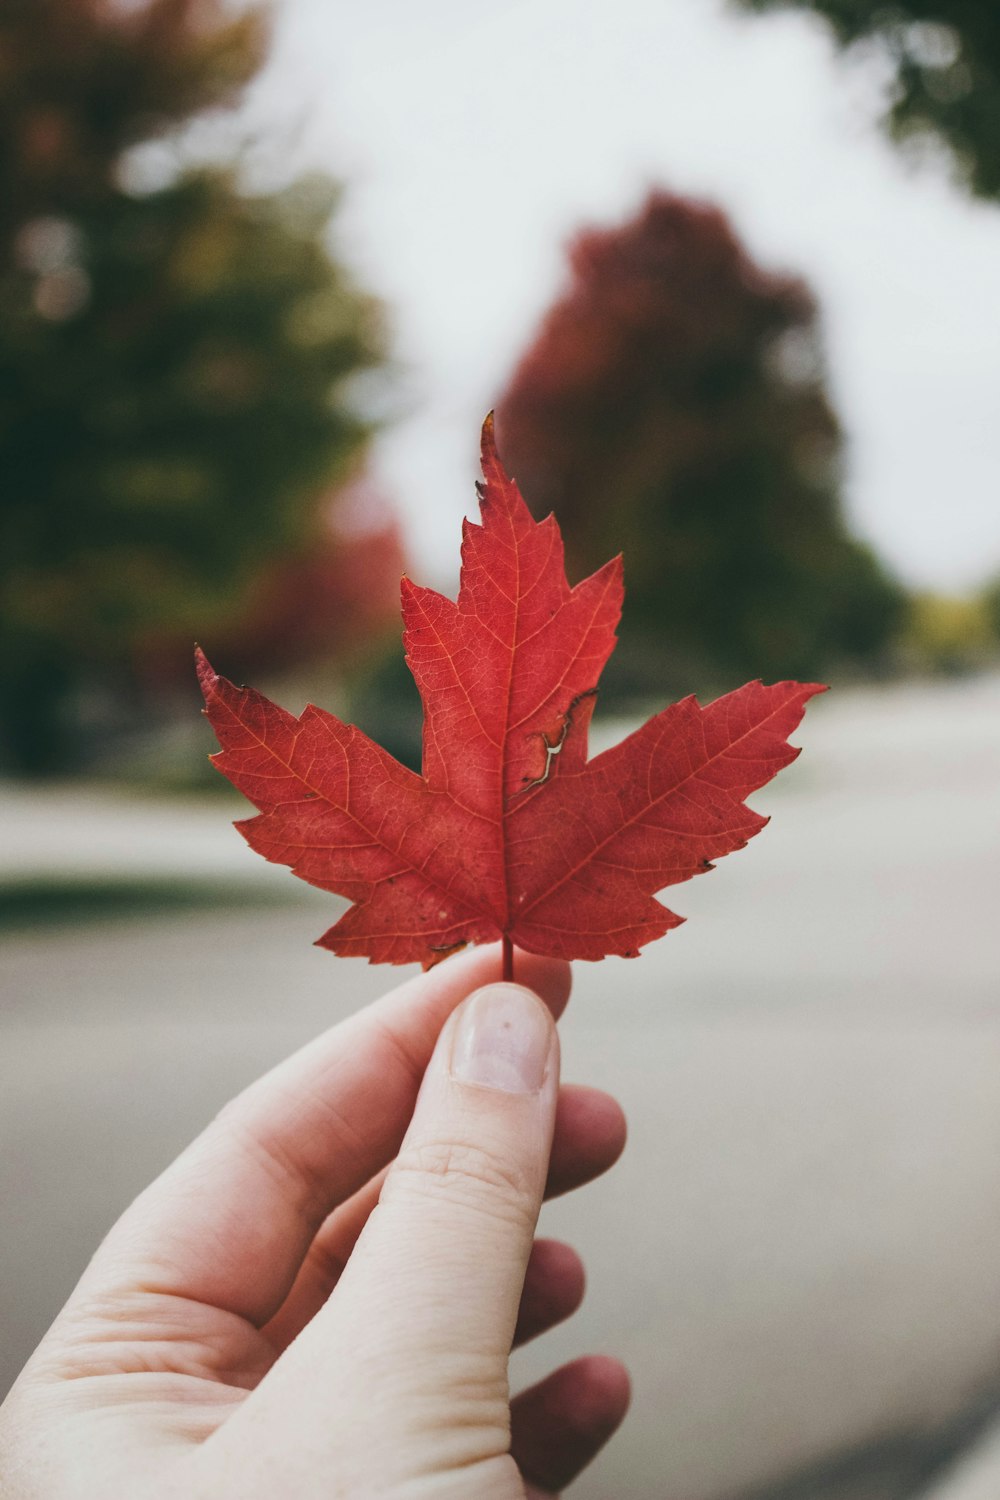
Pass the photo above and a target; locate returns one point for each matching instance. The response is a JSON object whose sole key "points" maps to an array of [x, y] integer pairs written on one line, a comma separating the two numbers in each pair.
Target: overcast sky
{"points": [[476, 139]]}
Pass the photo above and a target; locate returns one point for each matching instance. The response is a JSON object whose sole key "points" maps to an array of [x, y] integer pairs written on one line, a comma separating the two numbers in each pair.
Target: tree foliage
{"points": [[673, 406], [173, 362], [945, 57], [949, 635], [342, 588]]}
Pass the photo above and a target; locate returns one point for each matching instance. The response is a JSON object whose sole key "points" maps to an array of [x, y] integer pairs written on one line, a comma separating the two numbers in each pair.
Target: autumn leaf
{"points": [[510, 832]]}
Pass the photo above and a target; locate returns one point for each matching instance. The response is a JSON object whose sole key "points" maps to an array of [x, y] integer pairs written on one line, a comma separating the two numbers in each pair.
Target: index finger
{"points": [[230, 1222]]}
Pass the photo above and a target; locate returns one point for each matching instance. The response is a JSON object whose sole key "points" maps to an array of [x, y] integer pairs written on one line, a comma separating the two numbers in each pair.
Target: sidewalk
{"points": [[86, 832]]}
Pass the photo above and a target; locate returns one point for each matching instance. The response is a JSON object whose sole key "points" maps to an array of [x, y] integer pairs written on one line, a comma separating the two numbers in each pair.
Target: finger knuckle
{"points": [[478, 1177]]}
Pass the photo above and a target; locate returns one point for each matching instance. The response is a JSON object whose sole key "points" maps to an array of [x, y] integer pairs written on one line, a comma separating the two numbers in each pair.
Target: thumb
{"points": [[404, 1371], [450, 1241]]}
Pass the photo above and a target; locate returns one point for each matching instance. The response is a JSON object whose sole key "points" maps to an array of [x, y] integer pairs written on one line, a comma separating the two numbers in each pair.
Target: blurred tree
{"points": [[173, 362], [990, 603], [945, 58], [987, 602], [673, 407], [949, 636], [342, 587]]}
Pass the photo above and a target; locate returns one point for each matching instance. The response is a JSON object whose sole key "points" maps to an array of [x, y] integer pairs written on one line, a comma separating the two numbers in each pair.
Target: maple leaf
{"points": [[510, 832]]}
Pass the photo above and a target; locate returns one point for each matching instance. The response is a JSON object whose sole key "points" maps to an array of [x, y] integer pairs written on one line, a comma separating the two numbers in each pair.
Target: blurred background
{"points": [[730, 276]]}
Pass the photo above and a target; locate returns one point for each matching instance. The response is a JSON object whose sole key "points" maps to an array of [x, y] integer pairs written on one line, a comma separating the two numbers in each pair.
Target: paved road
{"points": [[800, 1254]]}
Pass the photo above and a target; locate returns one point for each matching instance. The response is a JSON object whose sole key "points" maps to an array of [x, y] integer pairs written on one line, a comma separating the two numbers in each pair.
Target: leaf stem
{"points": [[507, 972]]}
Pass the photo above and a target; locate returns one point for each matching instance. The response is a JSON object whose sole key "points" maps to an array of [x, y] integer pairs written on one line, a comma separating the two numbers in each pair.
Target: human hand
{"points": [[278, 1315]]}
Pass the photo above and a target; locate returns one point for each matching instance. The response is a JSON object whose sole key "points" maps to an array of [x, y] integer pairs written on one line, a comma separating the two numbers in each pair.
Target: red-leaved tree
{"points": [[673, 406]]}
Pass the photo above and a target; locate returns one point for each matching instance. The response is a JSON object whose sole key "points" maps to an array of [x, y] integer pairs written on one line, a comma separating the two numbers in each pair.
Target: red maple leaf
{"points": [[510, 832]]}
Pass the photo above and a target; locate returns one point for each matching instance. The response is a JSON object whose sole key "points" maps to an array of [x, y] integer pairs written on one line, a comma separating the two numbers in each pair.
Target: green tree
{"points": [[945, 56], [950, 634], [673, 407], [989, 604], [174, 364]]}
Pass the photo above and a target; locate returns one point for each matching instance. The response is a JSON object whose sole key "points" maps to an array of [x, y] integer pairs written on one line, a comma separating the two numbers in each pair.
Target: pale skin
{"points": [[319, 1297]]}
